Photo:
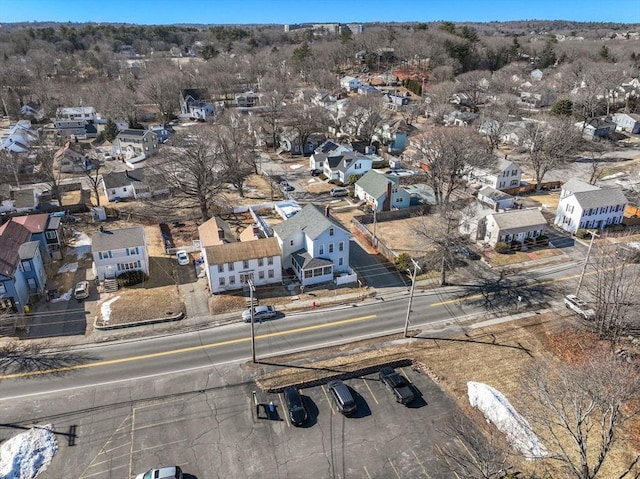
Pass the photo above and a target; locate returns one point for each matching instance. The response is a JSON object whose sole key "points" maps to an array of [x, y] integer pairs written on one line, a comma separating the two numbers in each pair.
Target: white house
{"points": [[17, 137], [228, 266], [117, 251], [313, 245], [195, 105], [503, 174], [349, 83], [322, 152], [583, 205], [473, 220], [135, 143], [496, 199], [513, 225], [346, 164], [382, 192], [629, 122], [134, 184]]}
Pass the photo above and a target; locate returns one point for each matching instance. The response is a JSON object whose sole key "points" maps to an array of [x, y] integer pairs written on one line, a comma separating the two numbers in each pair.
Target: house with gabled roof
{"points": [[116, 251], [136, 143], [313, 245], [324, 151], [495, 199], [585, 206], [597, 128], [501, 175], [629, 122], [215, 231], [46, 229], [513, 225], [229, 266], [381, 192], [345, 165], [120, 185], [22, 271], [195, 104]]}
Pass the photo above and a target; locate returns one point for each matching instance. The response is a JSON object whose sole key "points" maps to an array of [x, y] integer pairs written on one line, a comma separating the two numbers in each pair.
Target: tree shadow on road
{"points": [[30, 360]]}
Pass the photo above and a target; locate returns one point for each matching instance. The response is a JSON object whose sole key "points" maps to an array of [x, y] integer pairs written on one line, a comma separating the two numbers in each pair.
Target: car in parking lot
{"points": [[81, 290], [397, 384], [295, 406], [183, 257], [339, 191], [342, 397], [260, 312], [579, 306], [167, 472]]}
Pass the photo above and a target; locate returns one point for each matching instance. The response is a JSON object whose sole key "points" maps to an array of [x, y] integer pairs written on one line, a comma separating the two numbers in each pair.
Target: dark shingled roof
{"points": [[13, 236], [310, 219], [118, 239]]}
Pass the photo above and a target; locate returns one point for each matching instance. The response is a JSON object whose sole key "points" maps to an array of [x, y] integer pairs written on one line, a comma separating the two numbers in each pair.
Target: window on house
{"points": [[260, 261], [232, 280], [327, 270], [51, 234], [514, 172], [270, 273], [291, 243], [514, 182], [341, 246], [321, 249], [230, 266], [3, 289], [330, 231], [260, 274], [221, 268], [245, 264], [270, 260], [330, 247], [340, 262], [26, 266], [308, 273], [221, 281]]}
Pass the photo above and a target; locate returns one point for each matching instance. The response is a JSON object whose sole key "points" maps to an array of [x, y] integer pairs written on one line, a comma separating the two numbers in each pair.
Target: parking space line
{"points": [[284, 413], [101, 473], [394, 467], [105, 445], [133, 428], [157, 424], [366, 472], [419, 462], [328, 400], [370, 391], [162, 404], [446, 460], [164, 444], [117, 447]]}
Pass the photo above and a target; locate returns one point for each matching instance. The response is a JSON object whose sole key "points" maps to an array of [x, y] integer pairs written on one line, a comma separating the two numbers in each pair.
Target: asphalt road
{"points": [[107, 364]]}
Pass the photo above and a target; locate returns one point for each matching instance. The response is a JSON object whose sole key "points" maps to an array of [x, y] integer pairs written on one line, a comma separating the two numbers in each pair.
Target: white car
{"points": [[339, 191], [183, 257], [81, 290], [578, 306], [169, 472], [259, 313]]}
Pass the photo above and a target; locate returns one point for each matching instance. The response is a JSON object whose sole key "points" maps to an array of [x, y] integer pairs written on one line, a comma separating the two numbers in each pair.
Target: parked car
{"points": [[259, 313], [397, 384], [81, 290], [183, 257], [167, 472], [315, 172], [579, 306], [286, 186], [467, 253], [295, 406], [339, 191], [342, 397]]}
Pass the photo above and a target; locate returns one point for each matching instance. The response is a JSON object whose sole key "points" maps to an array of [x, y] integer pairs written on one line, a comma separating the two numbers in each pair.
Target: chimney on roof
{"points": [[220, 233], [327, 210]]}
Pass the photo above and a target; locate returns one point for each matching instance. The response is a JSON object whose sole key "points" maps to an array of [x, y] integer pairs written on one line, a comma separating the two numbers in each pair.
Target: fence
{"points": [[380, 246]]}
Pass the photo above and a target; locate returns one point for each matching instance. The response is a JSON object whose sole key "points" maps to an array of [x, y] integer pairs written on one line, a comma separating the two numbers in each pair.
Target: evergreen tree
{"points": [[110, 130]]}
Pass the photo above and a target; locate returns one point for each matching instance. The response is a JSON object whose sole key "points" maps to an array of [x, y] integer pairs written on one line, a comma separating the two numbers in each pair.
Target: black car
{"points": [[316, 172], [397, 384], [467, 253], [286, 186], [295, 406]]}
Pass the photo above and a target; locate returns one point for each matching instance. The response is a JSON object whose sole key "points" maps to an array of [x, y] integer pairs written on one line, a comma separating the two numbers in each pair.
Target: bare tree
{"points": [[9, 167], [438, 100], [162, 88], [48, 168], [578, 412], [471, 454], [274, 92], [305, 121], [548, 143], [614, 289], [365, 114], [235, 149], [94, 178], [474, 86], [192, 170], [449, 154]]}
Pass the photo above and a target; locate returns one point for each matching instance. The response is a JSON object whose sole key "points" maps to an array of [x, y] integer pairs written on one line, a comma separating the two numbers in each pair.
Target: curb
{"points": [[109, 327]]}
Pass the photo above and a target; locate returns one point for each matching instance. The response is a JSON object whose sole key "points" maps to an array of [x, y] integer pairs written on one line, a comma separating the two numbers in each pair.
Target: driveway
{"points": [[375, 270]]}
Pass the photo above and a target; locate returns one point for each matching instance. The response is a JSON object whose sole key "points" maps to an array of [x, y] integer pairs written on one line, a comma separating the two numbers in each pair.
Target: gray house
{"points": [[382, 192], [313, 245]]}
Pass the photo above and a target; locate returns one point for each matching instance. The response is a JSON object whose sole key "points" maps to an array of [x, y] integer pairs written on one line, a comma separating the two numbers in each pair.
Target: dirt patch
{"points": [[140, 304], [497, 259]]}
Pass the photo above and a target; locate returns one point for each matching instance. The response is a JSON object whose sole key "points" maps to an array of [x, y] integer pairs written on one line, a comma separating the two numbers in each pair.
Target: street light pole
{"points": [[253, 333], [413, 285], [586, 261]]}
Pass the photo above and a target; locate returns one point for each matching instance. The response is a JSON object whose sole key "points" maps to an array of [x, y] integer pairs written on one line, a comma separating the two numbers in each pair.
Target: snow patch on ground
{"points": [[68, 268], [29, 453], [105, 309], [63, 297], [295, 167], [497, 409], [80, 245]]}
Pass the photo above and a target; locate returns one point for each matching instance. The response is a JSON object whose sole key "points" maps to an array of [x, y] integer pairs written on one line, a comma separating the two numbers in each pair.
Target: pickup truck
{"points": [[578, 306], [397, 384]]}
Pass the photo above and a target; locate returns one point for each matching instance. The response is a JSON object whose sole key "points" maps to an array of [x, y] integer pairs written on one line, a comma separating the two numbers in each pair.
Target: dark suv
{"points": [[295, 406], [397, 384], [342, 397]]}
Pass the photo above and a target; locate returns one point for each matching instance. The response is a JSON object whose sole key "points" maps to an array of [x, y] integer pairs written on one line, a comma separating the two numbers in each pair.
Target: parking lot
{"points": [[214, 430]]}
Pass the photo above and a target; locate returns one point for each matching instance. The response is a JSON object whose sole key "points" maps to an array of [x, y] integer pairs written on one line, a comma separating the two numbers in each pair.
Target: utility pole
{"points": [[586, 261], [253, 333], [413, 285]]}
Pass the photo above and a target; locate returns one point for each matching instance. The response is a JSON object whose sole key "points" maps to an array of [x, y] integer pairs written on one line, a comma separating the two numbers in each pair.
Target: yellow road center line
{"points": [[201, 347]]}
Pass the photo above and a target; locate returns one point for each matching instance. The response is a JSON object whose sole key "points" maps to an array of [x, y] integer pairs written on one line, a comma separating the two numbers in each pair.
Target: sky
{"points": [[163, 12]]}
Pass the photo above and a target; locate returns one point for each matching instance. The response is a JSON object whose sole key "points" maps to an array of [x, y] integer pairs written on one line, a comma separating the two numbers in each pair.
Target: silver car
{"points": [[259, 313]]}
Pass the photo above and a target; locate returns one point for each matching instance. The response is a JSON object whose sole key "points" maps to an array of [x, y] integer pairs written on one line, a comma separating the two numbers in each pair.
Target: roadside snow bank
{"points": [[28, 454], [497, 409]]}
